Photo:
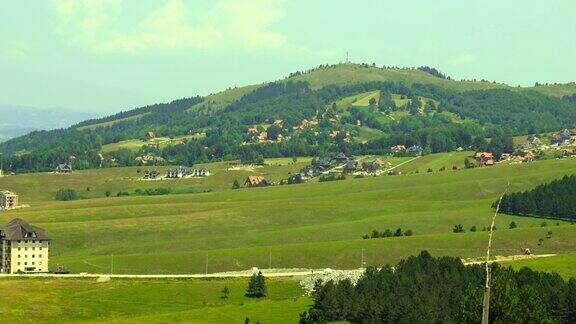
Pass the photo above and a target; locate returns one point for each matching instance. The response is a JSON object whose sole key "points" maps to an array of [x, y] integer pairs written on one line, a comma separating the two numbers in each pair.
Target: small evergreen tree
{"points": [[236, 185], [512, 225], [225, 292], [256, 286]]}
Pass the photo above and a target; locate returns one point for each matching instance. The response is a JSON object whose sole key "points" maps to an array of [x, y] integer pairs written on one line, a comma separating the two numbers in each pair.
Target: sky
{"points": [[112, 55]]}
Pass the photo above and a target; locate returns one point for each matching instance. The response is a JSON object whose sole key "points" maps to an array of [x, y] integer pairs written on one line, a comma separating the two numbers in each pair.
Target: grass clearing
{"points": [[311, 225], [149, 301], [565, 265]]}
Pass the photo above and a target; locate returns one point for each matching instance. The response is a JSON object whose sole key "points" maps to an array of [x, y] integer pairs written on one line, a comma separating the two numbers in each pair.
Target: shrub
{"points": [[408, 233], [459, 228], [473, 228], [512, 225]]}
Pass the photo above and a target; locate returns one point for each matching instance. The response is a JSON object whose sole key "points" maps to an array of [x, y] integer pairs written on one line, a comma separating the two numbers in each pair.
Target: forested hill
{"points": [[357, 109]]}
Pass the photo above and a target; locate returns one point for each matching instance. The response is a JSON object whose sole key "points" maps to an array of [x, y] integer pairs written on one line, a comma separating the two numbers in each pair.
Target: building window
{"points": [[32, 255], [39, 255], [18, 255], [25, 241], [19, 248], [18, 263], [40, 248], [19, 241], [32, 263], [25, 255], [25, 249], [25, 263]]}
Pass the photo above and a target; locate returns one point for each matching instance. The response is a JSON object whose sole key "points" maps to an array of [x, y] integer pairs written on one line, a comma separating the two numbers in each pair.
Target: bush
{"points": [[459, 228], [473, 228], [256, 286], [512, 225], [408, 233], [66, 195]]}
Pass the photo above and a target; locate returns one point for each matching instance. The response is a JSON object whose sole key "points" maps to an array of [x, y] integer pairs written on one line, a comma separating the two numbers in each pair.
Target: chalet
{"points": [[24, 248], [529, 157], [8, 200], [149, 158], [151, 136], [63, 168], [324, 163], [350, 166], [341, 158], [279, 123], [334, 133], [308, 172], [179, 172], [372, 167], [484, 158], [569, 151], [200, 172], [151, 174], [505, 156], [398, 148], [256, 181], [414, 150]]}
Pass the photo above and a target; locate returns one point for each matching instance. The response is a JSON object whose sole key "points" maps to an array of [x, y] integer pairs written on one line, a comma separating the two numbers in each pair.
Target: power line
{"points": [[486, 302]]}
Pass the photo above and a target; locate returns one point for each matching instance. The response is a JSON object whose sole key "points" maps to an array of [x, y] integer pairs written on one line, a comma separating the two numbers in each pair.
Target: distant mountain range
{"points": [[17, 121]]}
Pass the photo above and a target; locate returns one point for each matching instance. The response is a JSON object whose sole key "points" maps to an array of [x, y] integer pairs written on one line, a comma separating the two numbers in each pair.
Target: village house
{"points": [[256, 181], [151, 174], [569, 151], [149, 158], [64, 168], [414, 150], [23, 248], [279, 123], [484, 158], [263, 136], [8, 200], [179, 172], [372, 167], [505, 156], [341, 158], [151, 136], [200, 172], [398, 148], [350, 166], [324, 163]]}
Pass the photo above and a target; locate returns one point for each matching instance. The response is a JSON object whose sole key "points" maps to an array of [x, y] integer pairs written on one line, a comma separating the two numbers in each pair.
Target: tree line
{"points": [[423, 289], [554, 199]]}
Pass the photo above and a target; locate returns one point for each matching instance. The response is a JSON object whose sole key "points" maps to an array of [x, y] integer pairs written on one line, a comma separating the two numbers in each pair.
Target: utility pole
{"points": [[362, 258], [486, 301], [206, 270], [112, 264], [270, 260], [347, 60]]}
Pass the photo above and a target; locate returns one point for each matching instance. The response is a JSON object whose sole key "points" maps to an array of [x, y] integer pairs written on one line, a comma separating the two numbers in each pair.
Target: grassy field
{"points": [[312, 225], [565, 265], [136, 144], [147, 301], [436, 162], [110, 123]]}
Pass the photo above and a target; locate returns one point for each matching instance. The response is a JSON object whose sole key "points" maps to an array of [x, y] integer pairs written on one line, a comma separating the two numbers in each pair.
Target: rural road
{"points": [[240, 274]]}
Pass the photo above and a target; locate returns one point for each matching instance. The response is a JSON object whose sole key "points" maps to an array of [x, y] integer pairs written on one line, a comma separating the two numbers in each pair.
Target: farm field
{"points": [[140, 300], [312, 225]]}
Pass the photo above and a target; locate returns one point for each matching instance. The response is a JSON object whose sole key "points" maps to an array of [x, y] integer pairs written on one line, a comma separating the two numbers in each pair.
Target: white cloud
{"points": [[245, 25]]}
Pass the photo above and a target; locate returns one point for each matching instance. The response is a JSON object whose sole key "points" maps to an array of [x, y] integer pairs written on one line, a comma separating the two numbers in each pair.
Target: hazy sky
{"points": [[108, 55]]}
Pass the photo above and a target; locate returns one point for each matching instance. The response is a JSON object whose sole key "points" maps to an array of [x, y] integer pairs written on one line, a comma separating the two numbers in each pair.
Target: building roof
{"points": [[64, 166], [19, 229], [484, 155], [255, 180]]}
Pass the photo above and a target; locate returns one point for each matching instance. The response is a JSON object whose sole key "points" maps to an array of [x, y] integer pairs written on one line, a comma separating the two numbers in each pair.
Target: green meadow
{"points": [[311, 225], [142, 300]]}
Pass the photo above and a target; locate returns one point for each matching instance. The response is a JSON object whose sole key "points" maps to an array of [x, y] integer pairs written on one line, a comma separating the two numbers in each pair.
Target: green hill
{"points": [[412, 107]]}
